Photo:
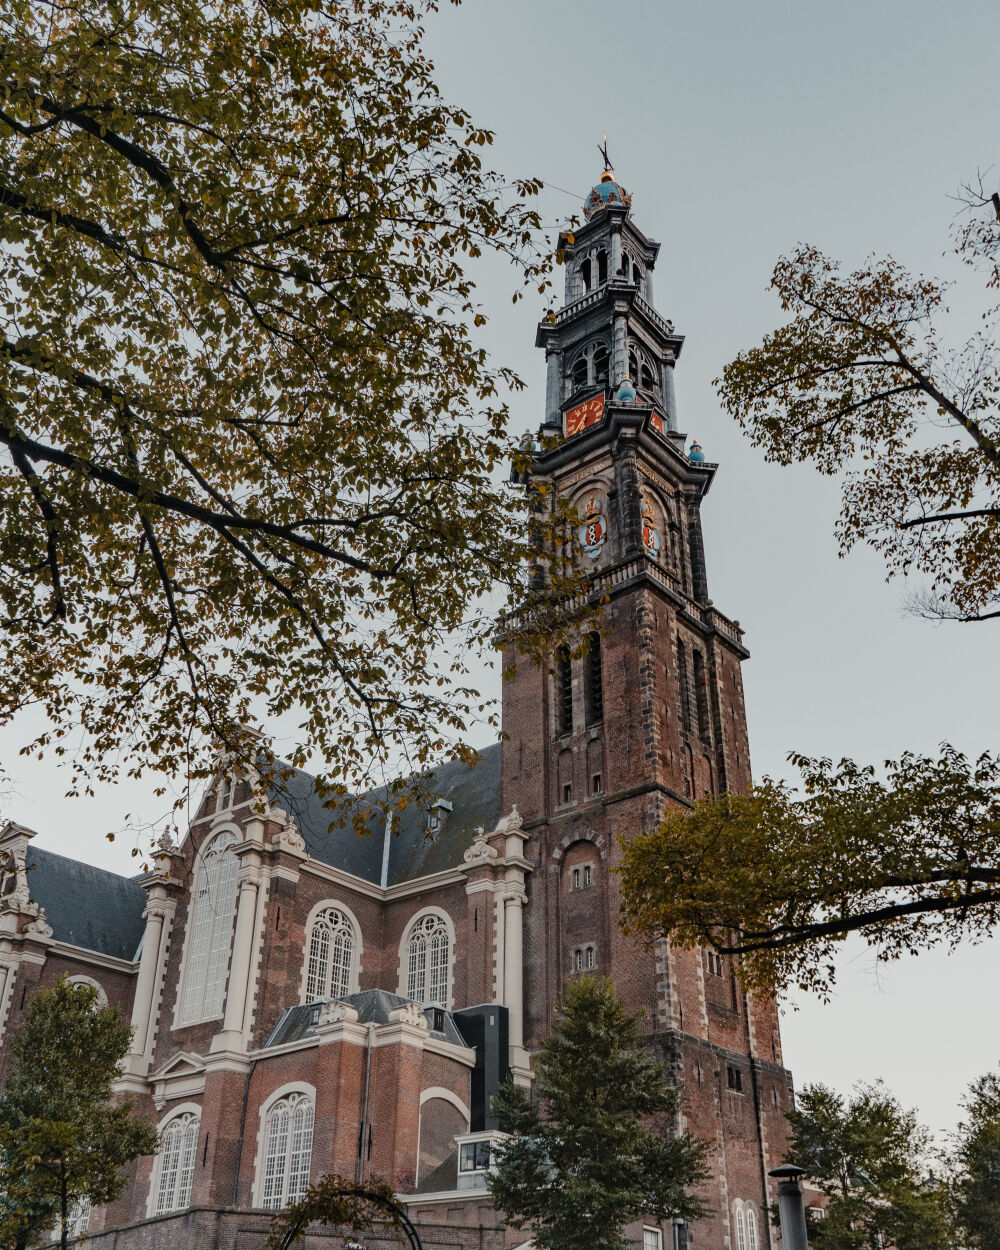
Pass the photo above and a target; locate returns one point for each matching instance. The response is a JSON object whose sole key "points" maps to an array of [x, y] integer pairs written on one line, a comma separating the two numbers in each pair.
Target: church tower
{"points": [[597, 748]]}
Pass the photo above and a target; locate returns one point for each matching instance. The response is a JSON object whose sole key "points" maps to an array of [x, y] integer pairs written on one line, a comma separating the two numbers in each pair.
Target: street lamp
{"points": [[791, 1207]]}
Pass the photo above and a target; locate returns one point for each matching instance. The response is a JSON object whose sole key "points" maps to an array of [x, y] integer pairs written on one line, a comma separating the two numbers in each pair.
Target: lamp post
{"points": [[791, 1207]]}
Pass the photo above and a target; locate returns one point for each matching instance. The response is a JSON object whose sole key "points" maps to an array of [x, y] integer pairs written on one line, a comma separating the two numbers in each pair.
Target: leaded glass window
{"points": [[178, 1147], [331, 955], [287, 1151], [428, 960], [211, 931]]}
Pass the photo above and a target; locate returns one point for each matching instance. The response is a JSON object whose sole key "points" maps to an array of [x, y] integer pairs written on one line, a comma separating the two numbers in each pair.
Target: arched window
{"points": [[741, 1228], [601, 361], [633, 368], [178, 1147], [288, 1135], [594, 688], [585, 275], [211, 930], [589, 958], [102, 999], [647, 377], [751, 1214], [564, 691], [580, 372], [576, 879], [330, 962], [428, 955], [602, 267]]}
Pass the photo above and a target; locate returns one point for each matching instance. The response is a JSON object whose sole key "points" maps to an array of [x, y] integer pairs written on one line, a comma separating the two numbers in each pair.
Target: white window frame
{"points": [[447, 926], [218, 941], [354, 963], [288, 1098], [102, 998], [192, 1112], [654, 1242]]}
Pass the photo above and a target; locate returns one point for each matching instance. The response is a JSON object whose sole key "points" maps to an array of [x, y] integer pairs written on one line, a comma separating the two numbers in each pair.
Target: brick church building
{"points": [[306, 1002]]}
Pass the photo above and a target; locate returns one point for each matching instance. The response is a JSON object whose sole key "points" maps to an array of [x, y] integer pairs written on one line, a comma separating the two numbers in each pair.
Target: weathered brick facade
{"points": [[596, 748]]}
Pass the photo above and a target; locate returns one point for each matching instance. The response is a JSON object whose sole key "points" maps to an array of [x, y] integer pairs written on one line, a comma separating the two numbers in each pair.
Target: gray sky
{"points": [[742, 129]]}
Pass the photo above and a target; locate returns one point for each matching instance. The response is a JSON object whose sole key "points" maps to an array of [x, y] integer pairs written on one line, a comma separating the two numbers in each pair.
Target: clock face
{"points": [[583, 415], [656, 421]]}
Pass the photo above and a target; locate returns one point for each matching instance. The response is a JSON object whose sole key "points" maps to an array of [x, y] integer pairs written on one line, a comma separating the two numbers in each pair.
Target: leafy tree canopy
{"points": [[869, 1156], [977, 1166], [780, 878], [61, 1135], [252, 451], [597, 1150], [860, 382]]}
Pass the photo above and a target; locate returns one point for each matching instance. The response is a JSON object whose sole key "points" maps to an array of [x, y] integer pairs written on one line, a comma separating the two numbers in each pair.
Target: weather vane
{"points": [[603, 149]]}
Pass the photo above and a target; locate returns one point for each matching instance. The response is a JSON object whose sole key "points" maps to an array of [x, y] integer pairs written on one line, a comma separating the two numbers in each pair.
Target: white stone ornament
{"points": [[39, 927], [411, 1014], [334, 1012], [480, 852]]}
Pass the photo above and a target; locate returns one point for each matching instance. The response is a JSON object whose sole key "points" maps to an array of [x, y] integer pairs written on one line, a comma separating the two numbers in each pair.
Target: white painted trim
{"points": [[94, 957], [451, 1050], [285, 1048], [438, 1091], [290, 1087], [442, 1195], [404, 942], [197, 867], [185, 1108], [357, 948], [419, 885]]}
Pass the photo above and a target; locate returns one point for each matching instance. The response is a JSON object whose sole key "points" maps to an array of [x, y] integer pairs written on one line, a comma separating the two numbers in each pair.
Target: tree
{"points": [[62, 1135], [857, 382], [868, 1155], [977, 1160], [780, 878], [362, 1210], [252, 449], [849, 384], [596, 1149]]}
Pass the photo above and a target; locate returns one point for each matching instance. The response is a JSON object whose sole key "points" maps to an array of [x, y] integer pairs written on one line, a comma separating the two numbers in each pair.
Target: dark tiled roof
{"points": [[87, 906], [372, 1006], [474, 795]]}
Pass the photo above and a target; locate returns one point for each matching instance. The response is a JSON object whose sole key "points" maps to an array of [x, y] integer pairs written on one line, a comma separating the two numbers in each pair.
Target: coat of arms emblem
{"points": [[650, 534], [593, 533]]}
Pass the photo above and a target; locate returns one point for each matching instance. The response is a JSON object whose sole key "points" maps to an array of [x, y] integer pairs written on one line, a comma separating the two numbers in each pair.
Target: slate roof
{"points": [[474, 795], [372, 1006], [87, 906]]}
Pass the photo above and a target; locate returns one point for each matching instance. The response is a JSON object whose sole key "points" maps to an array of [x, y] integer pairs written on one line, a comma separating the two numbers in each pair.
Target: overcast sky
{"points": [[742, 129]]}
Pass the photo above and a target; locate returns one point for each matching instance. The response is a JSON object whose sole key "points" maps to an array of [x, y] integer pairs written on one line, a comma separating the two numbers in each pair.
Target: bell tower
{"points": [[598, 746]]}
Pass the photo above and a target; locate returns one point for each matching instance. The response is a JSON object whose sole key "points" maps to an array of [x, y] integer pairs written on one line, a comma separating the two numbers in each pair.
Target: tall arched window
{"points": [[288, 1134], [428, 956], [211, 930], [741, 1228], [330, 961], [751, 1214], [594, 688], [178, 1147], [564, 691]]}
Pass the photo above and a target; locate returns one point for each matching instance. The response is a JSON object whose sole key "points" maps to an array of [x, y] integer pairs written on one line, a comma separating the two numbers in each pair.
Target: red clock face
{"points": [[583, 415], [656, 421]]}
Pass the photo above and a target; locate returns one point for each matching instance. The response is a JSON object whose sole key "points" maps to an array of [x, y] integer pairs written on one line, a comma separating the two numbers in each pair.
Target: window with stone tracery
{"points": [[178, 1147], [210, 933], [428, 959], [330, 961], [288, 1136]]}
